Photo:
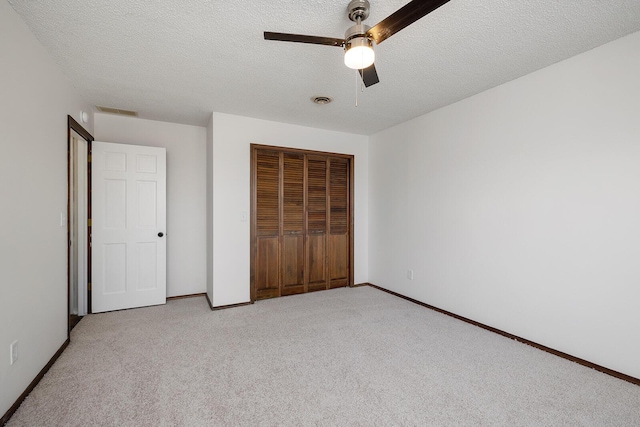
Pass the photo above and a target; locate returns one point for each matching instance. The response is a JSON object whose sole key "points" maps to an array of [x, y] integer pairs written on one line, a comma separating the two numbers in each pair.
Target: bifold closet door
{"points": [[292, 251], [339, 258], [267, 224], [317, 223], [301, 222]]}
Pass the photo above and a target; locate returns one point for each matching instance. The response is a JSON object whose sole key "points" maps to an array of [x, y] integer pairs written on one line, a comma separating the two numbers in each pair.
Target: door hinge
{"points": [[89, 286], [89, 158], [89, 222]]}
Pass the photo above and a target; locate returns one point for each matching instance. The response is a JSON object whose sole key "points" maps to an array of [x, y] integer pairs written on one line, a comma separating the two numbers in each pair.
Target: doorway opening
{"points": [[78, 222]]}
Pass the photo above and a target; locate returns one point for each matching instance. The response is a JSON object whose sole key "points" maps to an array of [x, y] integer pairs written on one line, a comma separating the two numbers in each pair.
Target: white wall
{"points": [[232, 136], [519, 207], [35, 99], [186, 192]]}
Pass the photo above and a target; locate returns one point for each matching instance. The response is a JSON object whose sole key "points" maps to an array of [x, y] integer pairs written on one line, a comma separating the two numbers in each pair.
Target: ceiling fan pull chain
{"points": [[356, 88]]}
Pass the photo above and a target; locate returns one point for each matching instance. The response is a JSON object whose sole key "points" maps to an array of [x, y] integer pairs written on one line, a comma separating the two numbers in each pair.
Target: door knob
{"points": [[160, 234]]}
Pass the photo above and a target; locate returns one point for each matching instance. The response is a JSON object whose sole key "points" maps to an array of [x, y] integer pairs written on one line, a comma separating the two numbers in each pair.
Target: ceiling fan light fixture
{"points": [[359, 53]]}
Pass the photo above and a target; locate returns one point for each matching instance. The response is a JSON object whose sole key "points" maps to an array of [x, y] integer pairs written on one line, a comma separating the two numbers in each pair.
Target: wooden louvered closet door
{"points": [[339, 223], [301, 222], [292, 265], [267, 224], [317, 223]]}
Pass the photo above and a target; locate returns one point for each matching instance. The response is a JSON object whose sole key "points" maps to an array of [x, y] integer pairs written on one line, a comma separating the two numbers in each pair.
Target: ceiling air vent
{"points": [[117, 111], [322, 100]]}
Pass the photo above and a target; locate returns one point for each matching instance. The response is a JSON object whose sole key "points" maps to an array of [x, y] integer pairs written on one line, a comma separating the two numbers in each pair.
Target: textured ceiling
{"points": [[178, 61]]}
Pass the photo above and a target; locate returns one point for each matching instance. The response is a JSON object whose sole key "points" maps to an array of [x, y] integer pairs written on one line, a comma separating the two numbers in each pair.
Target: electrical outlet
{"points": [[13, 352], [410, 274]]}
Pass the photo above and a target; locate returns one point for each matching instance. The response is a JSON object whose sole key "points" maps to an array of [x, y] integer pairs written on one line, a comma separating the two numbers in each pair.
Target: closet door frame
{"points": [[254, 148]]}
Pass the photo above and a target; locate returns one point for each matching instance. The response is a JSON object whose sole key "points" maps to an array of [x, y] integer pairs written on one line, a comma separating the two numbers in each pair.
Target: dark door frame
{"points": [[73, 125]]}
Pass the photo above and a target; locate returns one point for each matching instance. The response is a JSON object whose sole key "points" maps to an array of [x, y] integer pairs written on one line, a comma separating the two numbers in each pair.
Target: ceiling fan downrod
{"points": [[358, 10]]}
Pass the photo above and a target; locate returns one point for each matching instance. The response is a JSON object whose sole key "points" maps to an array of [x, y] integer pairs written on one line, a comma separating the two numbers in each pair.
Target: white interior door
{"points": [[128, 224]]}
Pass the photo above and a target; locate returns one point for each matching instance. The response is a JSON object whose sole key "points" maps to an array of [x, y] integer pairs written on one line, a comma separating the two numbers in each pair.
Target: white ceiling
{"points": [[178, 61]]}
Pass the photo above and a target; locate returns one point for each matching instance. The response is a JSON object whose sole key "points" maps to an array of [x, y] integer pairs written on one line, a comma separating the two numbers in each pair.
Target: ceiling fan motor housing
{"points": [[358, 30], [358, 10]]}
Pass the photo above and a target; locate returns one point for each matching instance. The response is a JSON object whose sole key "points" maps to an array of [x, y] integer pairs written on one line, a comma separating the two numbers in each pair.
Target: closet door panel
{"points": [[339, 190], [339, 260], [339, 222], [316, 267], [267, 224], [292, 224], [266, 276], [317, 222], [293, 265], [267, 193]]}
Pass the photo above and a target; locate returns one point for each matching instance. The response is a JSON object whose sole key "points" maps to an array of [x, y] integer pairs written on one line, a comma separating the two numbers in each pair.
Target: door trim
{"points": [[76, 127], [253, 210]]}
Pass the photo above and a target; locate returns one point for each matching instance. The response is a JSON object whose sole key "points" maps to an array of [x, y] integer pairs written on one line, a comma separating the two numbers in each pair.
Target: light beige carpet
{"points": [[355, 357]]}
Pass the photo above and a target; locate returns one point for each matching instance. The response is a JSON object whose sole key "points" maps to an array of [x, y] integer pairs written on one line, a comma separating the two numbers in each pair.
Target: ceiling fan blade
{"points": [[369, 75], [299, 38], [402, 18]]}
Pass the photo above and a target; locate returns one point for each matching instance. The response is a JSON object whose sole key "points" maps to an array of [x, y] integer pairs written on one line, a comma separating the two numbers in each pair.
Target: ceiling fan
{"points": [[359, 39]]}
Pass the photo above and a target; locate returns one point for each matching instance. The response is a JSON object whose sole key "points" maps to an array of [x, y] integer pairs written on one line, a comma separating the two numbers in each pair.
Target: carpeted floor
{"points": [[355, 357]]}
